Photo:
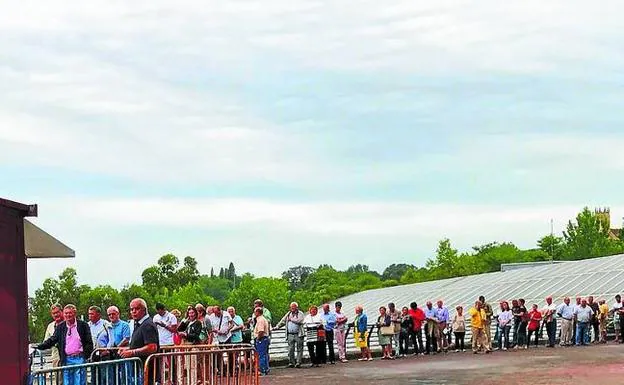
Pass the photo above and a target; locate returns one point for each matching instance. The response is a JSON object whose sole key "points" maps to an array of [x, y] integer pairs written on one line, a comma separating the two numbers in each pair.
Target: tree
{"points": [[187, 273], [273, 292], [296, 276], [101, 296], [212, 272], [222, 273], [588, 236], [231, 272], [445, 264], [553, 246], [395, 271]]}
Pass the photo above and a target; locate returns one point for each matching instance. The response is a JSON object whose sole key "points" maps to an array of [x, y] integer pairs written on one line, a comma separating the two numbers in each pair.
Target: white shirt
{"points": [[221, 325], [310, 320], [583, 314], [165, 337], [552, 308]]}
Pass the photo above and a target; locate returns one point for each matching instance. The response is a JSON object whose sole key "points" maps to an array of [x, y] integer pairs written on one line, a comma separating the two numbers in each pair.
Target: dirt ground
{"points": [[595, 365]]}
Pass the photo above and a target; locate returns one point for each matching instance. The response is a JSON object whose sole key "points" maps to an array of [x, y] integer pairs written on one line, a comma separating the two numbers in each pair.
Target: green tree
{"points": [[188, 273], [445, 264], [231, 272], [395, 271], [553, 246], [273, 292], [296, 276], [588, 236], [101, 296]]}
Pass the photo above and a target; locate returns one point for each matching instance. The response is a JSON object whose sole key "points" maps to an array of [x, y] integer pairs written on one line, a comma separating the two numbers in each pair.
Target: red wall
{"points": [[13, 299]]}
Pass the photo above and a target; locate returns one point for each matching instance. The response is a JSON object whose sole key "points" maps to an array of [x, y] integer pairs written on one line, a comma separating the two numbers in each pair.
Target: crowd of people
{"points": [[411, 330]]}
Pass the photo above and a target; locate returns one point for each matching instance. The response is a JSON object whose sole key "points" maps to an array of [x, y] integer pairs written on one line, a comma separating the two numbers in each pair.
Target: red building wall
{"points": [[13, 298]]}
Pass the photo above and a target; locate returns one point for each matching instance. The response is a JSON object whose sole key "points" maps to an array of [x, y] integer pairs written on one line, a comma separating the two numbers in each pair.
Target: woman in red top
{"points": [[535, 316], [418, 316]]}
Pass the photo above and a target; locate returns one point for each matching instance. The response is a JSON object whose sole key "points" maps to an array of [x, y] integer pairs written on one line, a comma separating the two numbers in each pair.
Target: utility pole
{"points": [[552, 239]]}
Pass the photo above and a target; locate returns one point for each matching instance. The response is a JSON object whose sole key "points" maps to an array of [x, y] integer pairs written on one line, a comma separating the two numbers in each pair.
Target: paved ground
{"points": [[595, 365]]}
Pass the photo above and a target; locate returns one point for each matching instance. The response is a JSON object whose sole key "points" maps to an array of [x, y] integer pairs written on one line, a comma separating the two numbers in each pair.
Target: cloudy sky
{"points": [[285, 132]]}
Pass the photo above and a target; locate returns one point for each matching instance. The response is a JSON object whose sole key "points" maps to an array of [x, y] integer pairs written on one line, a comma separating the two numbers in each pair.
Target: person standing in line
{"points": [[315, 329], [504, 325], [293, 320], [395, 319], [340, 332], [120, 337], [360, 333], [603, 318], [56, 311], [615, 311], [75, 345], [385, 339], [442, 317], [144, 339], [595, 321], [262, 329], [515, 311], [565, 312], [100, 328], [523, 343], [459, 329], [166, 324], [487, 308], [535, 318], [430, 328], [583, 315], [576, 305], [407, 325], [477, 325], [418, 317], [329, 317], [548, 315]]}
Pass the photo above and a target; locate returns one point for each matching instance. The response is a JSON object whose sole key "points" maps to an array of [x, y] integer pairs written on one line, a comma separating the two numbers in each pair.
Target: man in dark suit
{"points": [[73, 340], [144, 340]]}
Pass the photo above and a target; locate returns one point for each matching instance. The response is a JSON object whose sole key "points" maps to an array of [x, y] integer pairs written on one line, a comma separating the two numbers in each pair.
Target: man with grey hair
{"points": [[144, 340], [293, 320]]}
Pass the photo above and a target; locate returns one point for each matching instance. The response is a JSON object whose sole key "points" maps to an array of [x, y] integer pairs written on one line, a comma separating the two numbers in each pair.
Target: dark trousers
{"points": [[316, 350], [621, 328], [432, 345], [329, 338], [516, 326], [596, 327], [551, 330], [503, 336], [459, 340], [404, 337], [536, 337], [417, 341]]}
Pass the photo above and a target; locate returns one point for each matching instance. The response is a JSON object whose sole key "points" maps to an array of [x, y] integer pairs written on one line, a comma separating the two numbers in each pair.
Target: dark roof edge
{"points": [[27, 210]]}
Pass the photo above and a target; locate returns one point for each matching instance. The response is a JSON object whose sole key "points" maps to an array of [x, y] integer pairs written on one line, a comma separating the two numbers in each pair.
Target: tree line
{"points": [[179, 283]]}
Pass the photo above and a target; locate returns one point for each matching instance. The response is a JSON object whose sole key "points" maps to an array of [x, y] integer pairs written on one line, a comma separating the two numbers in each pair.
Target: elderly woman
{"points": [[459, 328], [384, 321], [314, 325], [360, 333]]}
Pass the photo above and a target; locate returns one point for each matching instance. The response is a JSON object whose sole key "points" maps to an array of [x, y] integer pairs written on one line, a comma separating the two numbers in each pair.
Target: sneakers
{"points": [[456, 350]]}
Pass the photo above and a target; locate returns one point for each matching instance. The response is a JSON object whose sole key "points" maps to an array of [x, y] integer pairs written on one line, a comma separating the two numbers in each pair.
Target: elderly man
{"points": [[442, 316], [74, 343], [144, 340], [548, 315], [293, 320], [565, 311], [120, 337], [583, 315], [100, 328], [262, 330], [431, 327], [56, 311]]}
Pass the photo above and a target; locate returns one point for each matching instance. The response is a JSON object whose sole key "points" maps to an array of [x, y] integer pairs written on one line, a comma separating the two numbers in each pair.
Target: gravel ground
{"points": [[595, 365]]}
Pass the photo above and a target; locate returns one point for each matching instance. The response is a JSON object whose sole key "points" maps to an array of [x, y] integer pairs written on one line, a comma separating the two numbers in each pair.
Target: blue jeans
{"points": [[262, 347], [582, 333], [74, 376], [503, 336]]}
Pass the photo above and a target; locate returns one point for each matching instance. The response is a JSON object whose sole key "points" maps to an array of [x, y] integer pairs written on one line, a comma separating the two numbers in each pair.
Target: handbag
{"points": [[386, 330]]}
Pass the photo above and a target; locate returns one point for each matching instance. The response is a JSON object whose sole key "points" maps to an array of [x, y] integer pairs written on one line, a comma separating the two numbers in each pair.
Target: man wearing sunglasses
{"points": [[74, 343]]}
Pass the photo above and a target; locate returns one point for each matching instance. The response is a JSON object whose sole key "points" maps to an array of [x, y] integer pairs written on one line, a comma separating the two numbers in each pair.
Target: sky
{"points": [[293, 132]]}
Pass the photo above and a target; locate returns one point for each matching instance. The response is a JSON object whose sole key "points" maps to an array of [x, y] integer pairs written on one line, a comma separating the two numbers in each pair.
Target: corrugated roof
{"points": [[600, 277]]}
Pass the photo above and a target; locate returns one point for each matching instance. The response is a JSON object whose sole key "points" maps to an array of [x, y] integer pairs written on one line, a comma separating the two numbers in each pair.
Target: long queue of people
{"points": [[411, 330], [75, 342], [433, 329]]}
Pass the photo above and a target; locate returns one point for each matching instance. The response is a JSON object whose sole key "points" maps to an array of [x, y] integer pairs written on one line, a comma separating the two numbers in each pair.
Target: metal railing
{"points": [[214, 365], [114, 372]]}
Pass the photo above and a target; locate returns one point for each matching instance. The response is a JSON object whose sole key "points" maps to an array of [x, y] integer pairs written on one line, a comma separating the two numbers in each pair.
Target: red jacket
{"points": [[418, 316], [534, 319]]}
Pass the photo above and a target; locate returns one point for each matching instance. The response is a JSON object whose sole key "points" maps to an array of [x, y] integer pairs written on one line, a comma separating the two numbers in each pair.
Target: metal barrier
{"points": [[216, 365], [115, 372]]}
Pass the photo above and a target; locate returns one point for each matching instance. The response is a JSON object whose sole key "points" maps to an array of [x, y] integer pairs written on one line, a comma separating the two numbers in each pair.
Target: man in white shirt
{"points": [[583, 315], [56, 311], [565, 311], [221, 325], [166, 323], [548, 315]]}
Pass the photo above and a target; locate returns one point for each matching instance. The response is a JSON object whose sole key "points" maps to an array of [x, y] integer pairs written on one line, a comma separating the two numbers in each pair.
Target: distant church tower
{"points": [[604, 215]]}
